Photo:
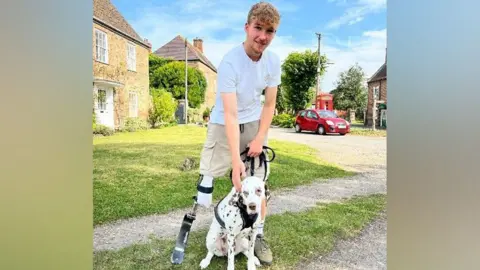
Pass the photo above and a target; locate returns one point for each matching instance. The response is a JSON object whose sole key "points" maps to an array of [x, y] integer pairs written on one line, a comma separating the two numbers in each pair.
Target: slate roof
{"points": [[104, 12], [380, 74], [176, 49]]}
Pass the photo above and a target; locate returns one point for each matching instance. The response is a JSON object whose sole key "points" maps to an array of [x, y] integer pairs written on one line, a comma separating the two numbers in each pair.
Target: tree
{"points": [[154, 62], [282, 105], [171, 77], [299, 75], [163, 107], [350, 93]]}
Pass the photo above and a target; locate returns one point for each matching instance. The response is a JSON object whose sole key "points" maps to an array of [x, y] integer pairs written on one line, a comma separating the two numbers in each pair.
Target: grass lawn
{"points": [[138, 174], [368, 132], [293, 237]]}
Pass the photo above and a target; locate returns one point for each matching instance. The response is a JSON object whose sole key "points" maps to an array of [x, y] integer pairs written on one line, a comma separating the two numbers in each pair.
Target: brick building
{"points": [[120, 68], [377, 89]]}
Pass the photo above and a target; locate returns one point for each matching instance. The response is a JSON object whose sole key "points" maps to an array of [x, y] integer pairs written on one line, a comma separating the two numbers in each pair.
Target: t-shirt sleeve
{"points": [[226, 78], [276, 72]]}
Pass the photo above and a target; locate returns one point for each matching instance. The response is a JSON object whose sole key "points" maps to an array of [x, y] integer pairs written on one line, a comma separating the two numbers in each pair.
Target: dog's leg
{"points": [[246, 250], [252, 260], [206, 262], [231, 251]]}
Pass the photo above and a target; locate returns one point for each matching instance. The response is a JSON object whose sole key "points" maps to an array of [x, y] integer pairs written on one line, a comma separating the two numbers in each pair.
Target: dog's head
{"points": [[253, 191]]}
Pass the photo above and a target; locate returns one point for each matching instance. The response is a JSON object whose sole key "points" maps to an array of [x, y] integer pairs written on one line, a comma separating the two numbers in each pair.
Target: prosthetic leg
{"points": [[205, 190], [182, 238]]}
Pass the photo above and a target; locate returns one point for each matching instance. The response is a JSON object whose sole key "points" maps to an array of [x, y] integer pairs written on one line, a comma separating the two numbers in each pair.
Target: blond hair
{"points": [[265, 13]]}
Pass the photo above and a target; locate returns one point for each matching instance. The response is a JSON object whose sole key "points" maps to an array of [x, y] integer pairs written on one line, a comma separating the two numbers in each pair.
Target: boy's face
{"points": [[259, 35]]}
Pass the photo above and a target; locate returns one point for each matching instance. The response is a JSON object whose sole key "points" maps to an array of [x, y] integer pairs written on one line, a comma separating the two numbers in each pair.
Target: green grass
{"points": [[293, 237], [368, 132], [138, 174]]}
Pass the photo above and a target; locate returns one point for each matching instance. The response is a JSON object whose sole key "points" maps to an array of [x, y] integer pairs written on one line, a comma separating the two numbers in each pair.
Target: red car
{"points": [[321, 121]]}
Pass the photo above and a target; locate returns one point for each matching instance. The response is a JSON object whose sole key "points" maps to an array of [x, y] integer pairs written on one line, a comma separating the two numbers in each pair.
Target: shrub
{"points": [[134, 124], [283, 120], [103, 130], [163, 107]]}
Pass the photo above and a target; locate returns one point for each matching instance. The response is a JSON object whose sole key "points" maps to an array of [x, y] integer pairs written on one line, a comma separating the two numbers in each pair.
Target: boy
{"points": [[238, 119]]}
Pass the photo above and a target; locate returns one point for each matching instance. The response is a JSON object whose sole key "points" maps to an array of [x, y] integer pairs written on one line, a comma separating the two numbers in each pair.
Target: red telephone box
{"points": [[324, 102]]}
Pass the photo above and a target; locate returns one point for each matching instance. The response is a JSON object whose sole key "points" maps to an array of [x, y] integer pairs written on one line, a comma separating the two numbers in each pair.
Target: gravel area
{"points": [[124, 233]]}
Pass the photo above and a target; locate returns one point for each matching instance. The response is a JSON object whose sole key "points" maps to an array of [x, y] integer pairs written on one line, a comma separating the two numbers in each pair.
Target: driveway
{"points": [[355, 153]]}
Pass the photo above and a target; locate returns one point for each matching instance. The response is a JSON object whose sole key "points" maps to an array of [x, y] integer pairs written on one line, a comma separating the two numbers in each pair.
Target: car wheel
{"points": [[343, 134], [297, 128], [321, 130]]}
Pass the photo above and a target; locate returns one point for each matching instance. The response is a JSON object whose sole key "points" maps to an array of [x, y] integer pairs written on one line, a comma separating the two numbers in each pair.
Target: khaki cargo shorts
{"points": [[215, 158]]}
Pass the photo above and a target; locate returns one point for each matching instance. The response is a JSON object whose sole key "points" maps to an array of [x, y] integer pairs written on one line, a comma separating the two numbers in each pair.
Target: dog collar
{"points": [[248, 220]]}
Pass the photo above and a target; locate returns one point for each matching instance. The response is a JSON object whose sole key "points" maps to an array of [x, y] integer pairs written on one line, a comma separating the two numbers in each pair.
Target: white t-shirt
{"points": [[239, 74]]}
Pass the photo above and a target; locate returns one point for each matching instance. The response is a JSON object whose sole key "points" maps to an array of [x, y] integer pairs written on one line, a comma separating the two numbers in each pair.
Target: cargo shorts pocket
{"points": [[206, 158]]}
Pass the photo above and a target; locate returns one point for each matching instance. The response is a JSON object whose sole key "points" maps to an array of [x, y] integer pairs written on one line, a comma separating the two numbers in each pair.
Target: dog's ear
{"points": [[234, 198]]}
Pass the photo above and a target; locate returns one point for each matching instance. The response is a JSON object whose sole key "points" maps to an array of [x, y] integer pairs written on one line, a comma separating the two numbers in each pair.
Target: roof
{"points": [[175, 49], [380, 74], [105, 13]]}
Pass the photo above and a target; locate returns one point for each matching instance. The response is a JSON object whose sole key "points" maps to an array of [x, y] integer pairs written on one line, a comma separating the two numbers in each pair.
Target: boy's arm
{"points": [[267, 111], [228, 91], [265, 121]]}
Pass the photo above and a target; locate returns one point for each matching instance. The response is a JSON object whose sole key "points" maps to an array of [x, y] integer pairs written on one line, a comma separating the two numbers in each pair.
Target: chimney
{"points": [[198, 43], [148, 43]]}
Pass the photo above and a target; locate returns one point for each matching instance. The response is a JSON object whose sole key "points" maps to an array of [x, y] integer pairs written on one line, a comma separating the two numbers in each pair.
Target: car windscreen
{"points": [[327, 114]]}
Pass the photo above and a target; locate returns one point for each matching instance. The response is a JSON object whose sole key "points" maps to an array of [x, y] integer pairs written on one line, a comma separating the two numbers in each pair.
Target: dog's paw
{"points": [[256, 260], [204, 263]]}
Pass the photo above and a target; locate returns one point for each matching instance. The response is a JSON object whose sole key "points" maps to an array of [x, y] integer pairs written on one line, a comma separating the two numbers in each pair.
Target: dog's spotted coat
{"points": [[234, 238]]}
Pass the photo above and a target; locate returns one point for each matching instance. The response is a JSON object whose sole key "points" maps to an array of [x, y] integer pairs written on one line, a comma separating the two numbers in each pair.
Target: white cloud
{"points": [[356, 12], [161, 24]]}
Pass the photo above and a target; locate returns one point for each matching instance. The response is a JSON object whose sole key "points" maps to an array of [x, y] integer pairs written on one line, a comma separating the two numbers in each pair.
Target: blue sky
{"points": [[352, 30]]}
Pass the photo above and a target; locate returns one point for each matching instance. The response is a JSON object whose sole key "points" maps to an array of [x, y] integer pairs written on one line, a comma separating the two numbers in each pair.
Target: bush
{"points": [[283, 120], [103, 130], [134, 124], [163, 107]]}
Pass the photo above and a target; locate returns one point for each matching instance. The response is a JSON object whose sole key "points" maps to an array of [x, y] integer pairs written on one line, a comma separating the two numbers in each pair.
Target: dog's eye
{"points": [[258, 190]]}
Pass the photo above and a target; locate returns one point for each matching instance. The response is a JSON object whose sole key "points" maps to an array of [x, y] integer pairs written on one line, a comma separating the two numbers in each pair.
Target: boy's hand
{"points": [[256, 147], [238, 171]]}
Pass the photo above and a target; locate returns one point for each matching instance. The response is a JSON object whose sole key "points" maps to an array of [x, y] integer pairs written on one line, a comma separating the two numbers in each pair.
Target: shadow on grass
{"points": [[132, 180]]}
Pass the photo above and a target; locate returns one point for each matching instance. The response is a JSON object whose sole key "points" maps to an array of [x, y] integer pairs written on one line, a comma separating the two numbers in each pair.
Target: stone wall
{"points": [[383, 96], [116, 70]]}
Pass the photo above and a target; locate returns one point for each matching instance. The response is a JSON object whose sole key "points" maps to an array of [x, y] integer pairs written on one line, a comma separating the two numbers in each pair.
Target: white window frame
{"points": [[376, 92], [131, 57], [133, 104], [101, 105], [101, 46]]}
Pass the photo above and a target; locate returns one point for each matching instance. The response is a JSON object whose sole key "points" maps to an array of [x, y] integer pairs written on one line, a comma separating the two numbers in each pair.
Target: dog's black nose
{"points": [[252, 207]]}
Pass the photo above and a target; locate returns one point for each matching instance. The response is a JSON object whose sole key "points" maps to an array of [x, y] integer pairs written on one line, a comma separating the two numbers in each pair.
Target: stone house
{"points": [[377, 89], [175, 49], [120, 68]]}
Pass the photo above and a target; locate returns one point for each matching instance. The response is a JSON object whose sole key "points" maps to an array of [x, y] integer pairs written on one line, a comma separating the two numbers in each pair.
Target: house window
{"points": [[101, 45], [131, 57], [101, 99], [133, 104], [376, 92]]}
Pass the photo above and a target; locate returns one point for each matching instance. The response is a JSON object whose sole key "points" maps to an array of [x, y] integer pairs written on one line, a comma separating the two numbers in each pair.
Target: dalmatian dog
{"points": [[234, 228]]}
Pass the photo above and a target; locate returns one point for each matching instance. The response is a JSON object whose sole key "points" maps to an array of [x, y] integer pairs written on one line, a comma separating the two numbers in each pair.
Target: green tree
{"points": [[350, 93], [299, 75], [154, 62], [163, 107], [171, 77], [282, 104]]}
